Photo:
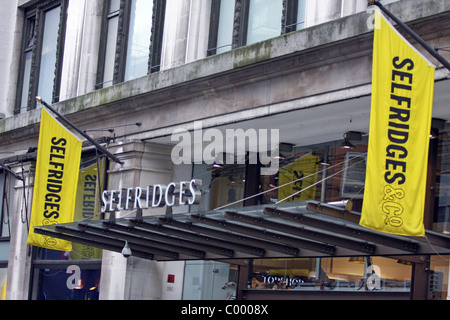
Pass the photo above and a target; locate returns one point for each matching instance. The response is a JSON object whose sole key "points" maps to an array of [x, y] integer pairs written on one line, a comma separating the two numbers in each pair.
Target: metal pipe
{"points": [[416, 37]]}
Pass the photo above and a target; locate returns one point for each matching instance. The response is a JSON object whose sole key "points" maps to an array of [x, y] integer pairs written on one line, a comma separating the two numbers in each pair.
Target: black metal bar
{"points": [[237, 250], [67, 121], [240, 242], [305, 233], [416, 37], [88, 242], [11, 172], [345, 228], [173, 240], [289, 250]]}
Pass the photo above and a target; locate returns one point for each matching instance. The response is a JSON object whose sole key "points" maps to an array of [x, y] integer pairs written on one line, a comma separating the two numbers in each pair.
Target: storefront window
{"points": [[223, 185], [438, 288], [441, 221], [337, 274]]}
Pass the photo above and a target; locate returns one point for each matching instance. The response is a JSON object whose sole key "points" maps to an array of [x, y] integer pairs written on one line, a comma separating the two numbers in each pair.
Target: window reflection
{"points": [[336, 273]]}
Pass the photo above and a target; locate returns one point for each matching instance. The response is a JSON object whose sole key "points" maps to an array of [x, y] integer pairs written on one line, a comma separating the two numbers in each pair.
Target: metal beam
{"points": [[118, 243], [240, 250], [293, 243], [178, 242], [84, 241], [284, 249], [252, 246], [344, 228], [159, 248], [326, 239], [414, 35]]}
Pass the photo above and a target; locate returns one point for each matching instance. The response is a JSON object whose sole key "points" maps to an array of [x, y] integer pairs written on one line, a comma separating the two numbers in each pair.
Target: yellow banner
{"points": [[87, 206], [400, 124], [304, 172], [56, 179]]}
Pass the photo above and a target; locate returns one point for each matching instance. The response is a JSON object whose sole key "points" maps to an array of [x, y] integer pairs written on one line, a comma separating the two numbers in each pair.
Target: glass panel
{"points": [[387, 274], [441, 221], [226, 21], [30, 41], [264, 20], [301, 14], [139, 39], [438, 279], [114, 6], [26, 82], [227, 186], [48, 55], [209, 280], [110, 55], [298, 178]]}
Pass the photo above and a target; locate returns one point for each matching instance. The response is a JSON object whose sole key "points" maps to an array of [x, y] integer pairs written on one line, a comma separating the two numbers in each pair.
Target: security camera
{"points": [[126, 251]]}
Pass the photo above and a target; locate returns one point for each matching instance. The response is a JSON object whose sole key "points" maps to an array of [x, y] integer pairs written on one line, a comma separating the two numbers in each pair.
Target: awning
{"points": [[293, 230]]}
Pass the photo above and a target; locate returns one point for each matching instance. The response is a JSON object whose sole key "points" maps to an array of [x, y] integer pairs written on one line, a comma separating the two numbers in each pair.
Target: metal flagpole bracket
{"points": [[414, 35], [81, 132]]}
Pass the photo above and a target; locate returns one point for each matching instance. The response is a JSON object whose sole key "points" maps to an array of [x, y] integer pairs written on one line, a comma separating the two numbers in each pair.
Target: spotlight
{"points": [[351, 135]]}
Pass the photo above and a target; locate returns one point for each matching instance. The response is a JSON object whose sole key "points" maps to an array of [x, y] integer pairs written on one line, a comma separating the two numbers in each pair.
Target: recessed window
{"points": [[41, 55], [132, 46]]}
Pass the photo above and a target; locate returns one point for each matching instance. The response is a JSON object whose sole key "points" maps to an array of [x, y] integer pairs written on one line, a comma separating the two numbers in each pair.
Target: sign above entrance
{"points": [[156, 196]]}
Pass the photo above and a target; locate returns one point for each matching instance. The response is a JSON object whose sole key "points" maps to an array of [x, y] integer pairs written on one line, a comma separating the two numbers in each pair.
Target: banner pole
{"points": [[95, 143], [416, 37]]}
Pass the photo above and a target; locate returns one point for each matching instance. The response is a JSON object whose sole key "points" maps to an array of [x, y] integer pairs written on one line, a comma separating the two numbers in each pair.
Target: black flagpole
{"points": [[416, 37], [95, 143]]}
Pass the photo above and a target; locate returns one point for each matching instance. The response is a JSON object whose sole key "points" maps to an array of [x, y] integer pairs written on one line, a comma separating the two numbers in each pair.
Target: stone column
{"points": [[135, 278]]}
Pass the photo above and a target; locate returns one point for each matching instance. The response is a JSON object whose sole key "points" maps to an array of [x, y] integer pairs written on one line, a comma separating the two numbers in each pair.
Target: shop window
{"points": [[132, 46], [241, 22], [327, 274], [438, 287], [224, 185], [41, 54], [286, 274], [74, 275], [441, 221]]}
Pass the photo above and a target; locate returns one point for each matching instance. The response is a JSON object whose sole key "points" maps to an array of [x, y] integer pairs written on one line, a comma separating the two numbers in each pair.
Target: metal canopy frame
{"points": [[293, 230]]}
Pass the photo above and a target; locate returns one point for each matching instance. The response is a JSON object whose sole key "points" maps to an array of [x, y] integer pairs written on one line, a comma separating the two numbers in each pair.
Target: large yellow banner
{"points": [[400, 124], [56, 179]]}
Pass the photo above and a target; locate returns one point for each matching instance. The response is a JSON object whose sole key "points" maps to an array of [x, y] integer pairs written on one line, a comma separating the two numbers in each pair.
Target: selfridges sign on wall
{"points": [[152, 196]]}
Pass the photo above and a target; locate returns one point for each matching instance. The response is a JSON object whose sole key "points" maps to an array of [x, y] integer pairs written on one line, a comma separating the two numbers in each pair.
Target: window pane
{"points": [[264, 20], [26, 82], [301, 14], [225, 32], [48, 57], [139, 39], [111, 41], [115, 6]]}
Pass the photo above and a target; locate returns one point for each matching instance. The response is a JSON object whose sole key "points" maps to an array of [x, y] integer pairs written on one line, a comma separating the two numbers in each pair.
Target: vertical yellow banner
{"points": [[56, 179], [400, 124], [87, 206], [304, 172]]}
